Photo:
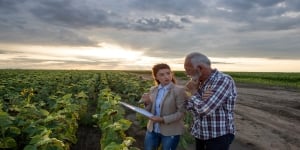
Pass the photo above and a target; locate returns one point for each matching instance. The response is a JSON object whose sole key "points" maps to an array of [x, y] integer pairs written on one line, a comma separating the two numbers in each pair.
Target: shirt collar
{"points": [[211, 76], [166, 87]]}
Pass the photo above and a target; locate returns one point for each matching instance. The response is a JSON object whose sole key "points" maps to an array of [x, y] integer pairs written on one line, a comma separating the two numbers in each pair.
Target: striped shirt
{"points": [[213, 117]]}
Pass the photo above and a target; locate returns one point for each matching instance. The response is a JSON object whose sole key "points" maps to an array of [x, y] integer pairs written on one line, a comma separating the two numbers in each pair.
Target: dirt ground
{"points": [[265, 118], [268, 117]]}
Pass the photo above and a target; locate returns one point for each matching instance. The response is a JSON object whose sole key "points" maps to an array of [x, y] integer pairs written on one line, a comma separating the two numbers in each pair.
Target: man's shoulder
{"points": [[222, 75]]}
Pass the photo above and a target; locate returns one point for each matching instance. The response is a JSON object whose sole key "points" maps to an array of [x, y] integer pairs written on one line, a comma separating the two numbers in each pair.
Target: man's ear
{"points": [[200, 67]]}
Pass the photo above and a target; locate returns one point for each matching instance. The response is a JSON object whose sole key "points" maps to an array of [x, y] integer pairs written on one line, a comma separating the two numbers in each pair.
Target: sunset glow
{"points": [[127, 59]]}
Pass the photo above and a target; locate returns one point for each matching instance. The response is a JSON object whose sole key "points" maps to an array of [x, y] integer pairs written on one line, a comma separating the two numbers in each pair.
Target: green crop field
{"points": [[42, 109]]}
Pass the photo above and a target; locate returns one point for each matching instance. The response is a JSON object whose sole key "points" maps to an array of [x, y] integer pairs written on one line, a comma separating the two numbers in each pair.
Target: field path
{"points": [[268, 118]]}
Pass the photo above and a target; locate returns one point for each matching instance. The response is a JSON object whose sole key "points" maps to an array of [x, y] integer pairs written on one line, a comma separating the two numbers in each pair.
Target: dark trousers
{"points": [[218, 143]]}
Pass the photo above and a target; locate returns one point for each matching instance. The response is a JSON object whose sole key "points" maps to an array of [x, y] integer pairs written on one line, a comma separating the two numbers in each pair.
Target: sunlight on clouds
{"points": [[113, 57], [106, 56], [51, 62], [109, 51], [104, 51], [147, 62], [34, 52]]}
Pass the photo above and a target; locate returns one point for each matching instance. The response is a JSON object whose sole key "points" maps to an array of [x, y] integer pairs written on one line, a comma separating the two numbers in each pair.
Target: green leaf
{"points": [[128, 141], [8, 142], [81, 95], [14, 130], [122, 124], [67, 96], [44, 136], [30, 147], [113, 146], [5, 119], [44, 112]]}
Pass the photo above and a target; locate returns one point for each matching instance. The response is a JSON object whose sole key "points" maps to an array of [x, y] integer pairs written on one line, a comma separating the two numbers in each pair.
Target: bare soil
{"points": [[268, 117], [265, 117], [88, 138]]}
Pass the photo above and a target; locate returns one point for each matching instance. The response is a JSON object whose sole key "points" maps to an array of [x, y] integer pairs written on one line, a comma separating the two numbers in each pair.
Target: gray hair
{"points": [[198, 59]]}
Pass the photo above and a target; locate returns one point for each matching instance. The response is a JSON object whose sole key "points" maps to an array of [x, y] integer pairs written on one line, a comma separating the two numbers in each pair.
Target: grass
{"points": [[287, 80]]}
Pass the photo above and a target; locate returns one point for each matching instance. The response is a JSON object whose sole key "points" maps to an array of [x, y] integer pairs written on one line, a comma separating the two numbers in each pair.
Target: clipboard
{"points": [[137, 109]]}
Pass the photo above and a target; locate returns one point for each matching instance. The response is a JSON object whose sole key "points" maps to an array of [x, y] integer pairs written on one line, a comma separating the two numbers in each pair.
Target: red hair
{"points": [[158, 67]]}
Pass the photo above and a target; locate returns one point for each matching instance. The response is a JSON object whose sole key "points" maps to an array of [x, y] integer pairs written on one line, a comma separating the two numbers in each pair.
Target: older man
{"points": [[212, 101]]}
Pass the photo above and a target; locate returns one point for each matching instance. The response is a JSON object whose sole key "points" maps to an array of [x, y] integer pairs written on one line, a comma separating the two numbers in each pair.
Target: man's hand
{"points": [[192, 87], [207, 94]]}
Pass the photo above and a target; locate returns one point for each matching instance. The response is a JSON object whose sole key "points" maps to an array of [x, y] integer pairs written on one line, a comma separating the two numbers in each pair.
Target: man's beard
{"points": [[196, 76]]}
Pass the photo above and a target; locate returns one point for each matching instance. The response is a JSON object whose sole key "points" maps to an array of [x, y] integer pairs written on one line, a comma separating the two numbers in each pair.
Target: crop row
{"points": [[42, 109]]}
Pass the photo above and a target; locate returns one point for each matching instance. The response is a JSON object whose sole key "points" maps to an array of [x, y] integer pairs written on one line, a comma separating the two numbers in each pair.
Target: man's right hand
{"points": [[207, 94], [192, 87]]}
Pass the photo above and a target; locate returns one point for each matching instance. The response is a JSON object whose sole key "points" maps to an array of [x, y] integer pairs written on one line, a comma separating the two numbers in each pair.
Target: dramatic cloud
{"points": [[158, 28]]}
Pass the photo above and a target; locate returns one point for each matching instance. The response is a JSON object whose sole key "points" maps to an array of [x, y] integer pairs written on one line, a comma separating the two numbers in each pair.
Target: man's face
{"points": [[196, 76], [193, 73]]}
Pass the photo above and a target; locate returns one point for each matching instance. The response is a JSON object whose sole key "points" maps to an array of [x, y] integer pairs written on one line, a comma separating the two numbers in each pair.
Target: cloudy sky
{"points": [[237, 35]]}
